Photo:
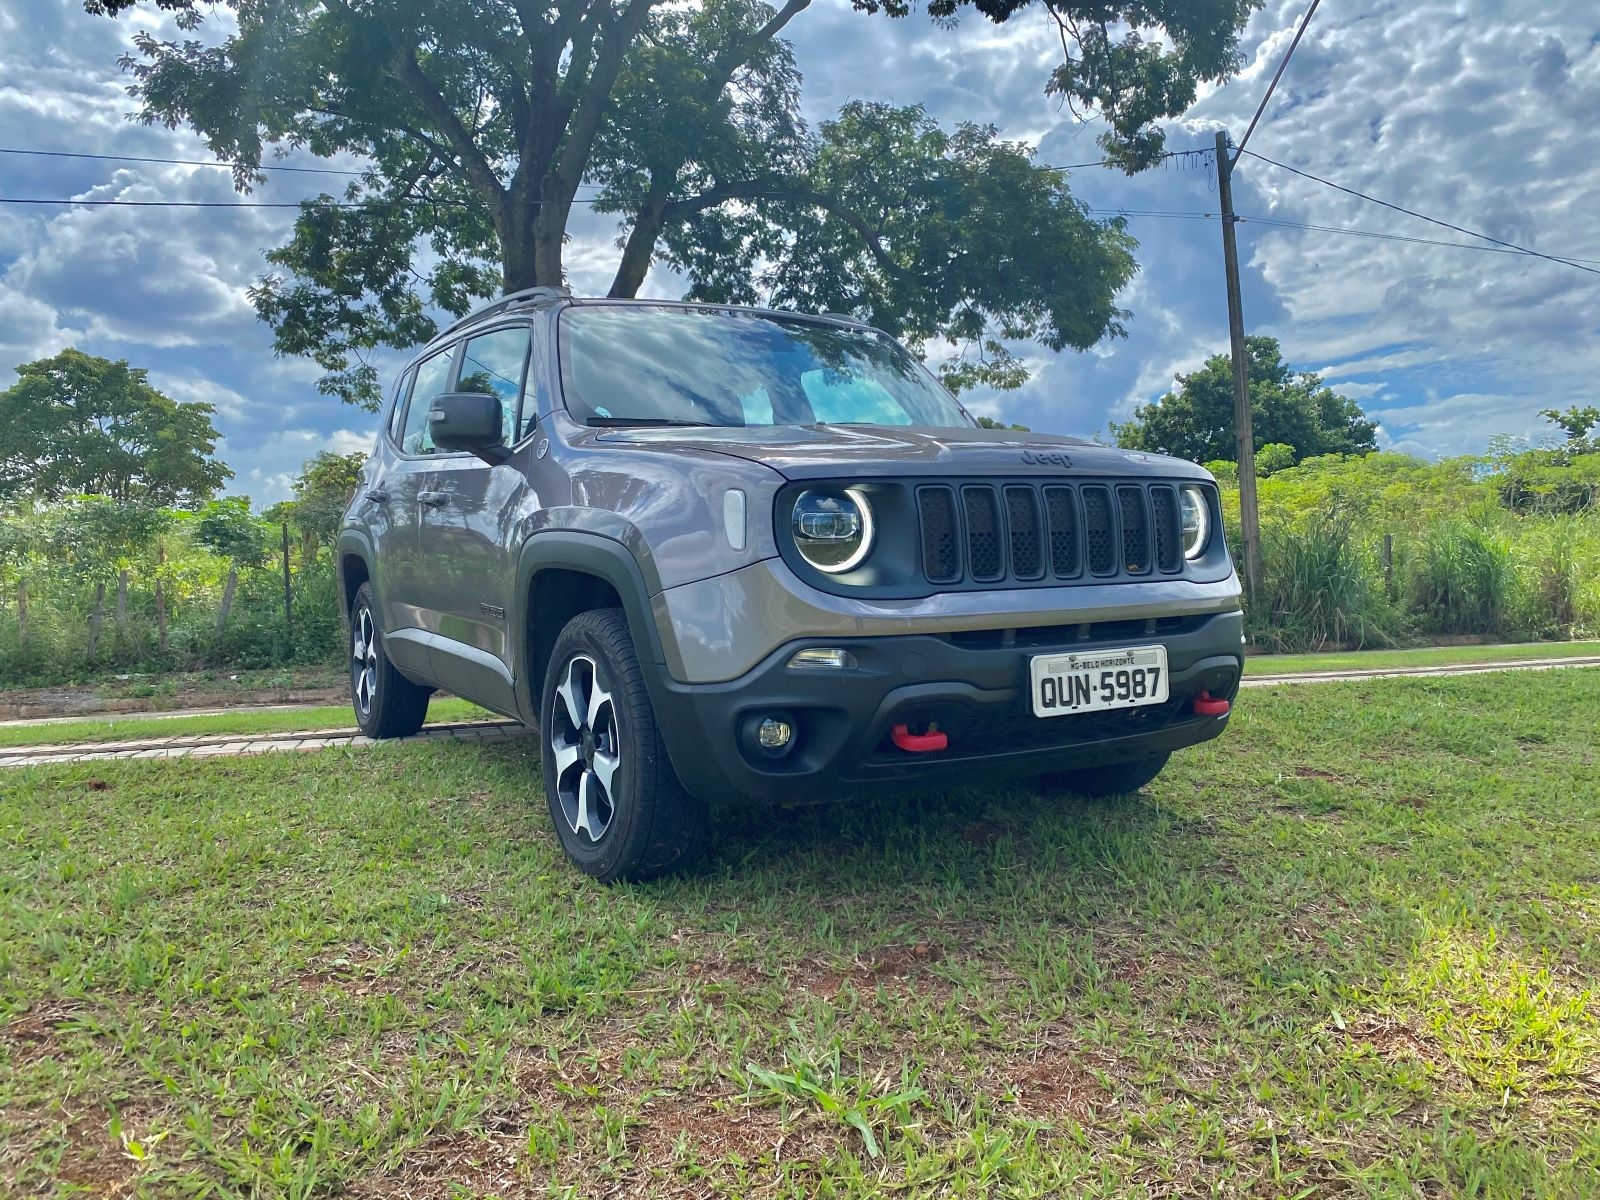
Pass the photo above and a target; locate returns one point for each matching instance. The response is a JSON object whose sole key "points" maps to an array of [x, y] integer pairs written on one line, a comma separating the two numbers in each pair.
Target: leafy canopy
{"points": [[1289, 408], [483, 124], [75, 424]]}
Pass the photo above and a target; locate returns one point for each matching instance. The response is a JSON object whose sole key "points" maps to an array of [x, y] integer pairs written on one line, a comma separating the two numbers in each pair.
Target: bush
{"points": [[1322, 587], [1461, 580]]}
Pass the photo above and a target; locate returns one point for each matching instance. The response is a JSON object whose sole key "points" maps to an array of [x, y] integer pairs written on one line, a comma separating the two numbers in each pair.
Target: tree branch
{"points": [[585, 123], [473, 164]]}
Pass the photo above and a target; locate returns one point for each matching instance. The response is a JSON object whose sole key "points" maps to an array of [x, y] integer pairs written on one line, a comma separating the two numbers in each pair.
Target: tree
{"points": [[481, 119], [1576, 423], [79, 425], [322, 492], [1288, 407]]}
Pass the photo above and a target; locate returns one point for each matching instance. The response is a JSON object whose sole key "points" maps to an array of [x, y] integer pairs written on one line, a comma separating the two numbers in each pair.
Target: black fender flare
{"points": [[352, 543], [607, 559]]}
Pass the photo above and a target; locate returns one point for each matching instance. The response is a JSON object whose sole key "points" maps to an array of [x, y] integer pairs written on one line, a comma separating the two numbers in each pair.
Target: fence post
{"points": [[94, 619], [122, 598], [1388, 563], [22, 613], [161, 596], [227, 599], [288, 594]]}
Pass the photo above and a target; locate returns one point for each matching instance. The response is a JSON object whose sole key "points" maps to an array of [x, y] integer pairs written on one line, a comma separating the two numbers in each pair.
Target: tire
{"points": [[1113, 779], [386, 703], [616, 803]]}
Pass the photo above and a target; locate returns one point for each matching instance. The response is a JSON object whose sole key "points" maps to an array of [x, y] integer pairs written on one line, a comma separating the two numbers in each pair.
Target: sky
{"points": [[1478, 112]]}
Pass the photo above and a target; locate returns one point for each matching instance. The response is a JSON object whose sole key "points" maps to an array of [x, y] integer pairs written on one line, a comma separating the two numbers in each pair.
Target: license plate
{"points": [[1096, 680]]}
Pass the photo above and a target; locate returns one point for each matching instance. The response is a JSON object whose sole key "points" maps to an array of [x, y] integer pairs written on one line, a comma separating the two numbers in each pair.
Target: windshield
{"points": [[635, 365]]}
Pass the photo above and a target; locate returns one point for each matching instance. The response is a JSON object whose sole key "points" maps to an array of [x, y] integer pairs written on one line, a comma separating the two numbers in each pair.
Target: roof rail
{"points": [[511, 300], [833, 316]]}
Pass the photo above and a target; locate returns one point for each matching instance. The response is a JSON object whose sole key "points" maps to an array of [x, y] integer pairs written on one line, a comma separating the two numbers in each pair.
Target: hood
{"points": [[842, 451]]}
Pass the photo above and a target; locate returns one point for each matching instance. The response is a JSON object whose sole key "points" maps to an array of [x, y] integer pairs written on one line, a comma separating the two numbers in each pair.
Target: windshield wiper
{"points": [[624, 422]]}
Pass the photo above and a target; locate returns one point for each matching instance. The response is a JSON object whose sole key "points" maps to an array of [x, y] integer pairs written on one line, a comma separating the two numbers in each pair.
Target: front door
{"points": [[391, 509], [466, 510]]}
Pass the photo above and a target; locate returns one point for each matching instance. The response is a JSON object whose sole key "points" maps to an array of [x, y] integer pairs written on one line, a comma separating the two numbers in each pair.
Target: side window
{"points": [[398, 412], [433, 378], [493, 364]]}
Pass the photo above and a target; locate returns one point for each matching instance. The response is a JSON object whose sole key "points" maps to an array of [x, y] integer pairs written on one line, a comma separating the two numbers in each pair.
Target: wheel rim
{"points": [[586, 746], [363, 661]]}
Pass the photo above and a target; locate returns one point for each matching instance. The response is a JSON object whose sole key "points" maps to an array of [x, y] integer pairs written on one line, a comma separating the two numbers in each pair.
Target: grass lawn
{"points": [[243, 721], [1428, 656], [1348, 949]]}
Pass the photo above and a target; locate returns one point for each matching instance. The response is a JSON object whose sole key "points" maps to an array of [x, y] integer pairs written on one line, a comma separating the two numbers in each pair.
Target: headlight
{"points": [[833, 530], [1196, 515]]}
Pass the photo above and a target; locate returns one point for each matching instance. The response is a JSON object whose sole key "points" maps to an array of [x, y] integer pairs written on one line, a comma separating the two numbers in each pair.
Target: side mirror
{"points": [[469, 421]]}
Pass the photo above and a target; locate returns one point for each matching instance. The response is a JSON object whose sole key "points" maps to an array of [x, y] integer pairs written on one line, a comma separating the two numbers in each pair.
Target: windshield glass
{"points": [[628, 364]]}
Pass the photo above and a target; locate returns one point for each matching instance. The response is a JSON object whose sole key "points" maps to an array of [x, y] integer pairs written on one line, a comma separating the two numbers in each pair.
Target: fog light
{"points": [[824, 658], [774, 734]]}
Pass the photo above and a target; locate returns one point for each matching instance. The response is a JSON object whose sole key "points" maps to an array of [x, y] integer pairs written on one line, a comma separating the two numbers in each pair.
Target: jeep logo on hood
{"points": [[1036, 458]]}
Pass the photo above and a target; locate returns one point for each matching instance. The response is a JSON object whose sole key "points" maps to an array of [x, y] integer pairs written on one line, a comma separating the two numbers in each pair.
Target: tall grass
{"points": [[1322, 587], [1462, 580]]}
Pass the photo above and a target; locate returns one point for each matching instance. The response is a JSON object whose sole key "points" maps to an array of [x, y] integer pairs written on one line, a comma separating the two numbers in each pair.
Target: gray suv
{"points": [[718, 552]]}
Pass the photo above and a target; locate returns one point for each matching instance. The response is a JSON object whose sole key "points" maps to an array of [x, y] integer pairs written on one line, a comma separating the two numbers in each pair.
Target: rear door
{"points": [[467, 509]]}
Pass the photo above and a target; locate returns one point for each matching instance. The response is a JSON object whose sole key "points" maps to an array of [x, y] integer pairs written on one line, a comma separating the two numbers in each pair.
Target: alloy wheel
{"points": [[363, 661], [587, 748]]}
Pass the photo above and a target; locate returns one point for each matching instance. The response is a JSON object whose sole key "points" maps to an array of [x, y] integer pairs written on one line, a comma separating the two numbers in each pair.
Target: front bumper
{"points": [[974, 684]]}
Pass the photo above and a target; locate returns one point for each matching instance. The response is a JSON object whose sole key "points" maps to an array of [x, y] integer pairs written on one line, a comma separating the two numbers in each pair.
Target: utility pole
{"points": [[1244, 435]]}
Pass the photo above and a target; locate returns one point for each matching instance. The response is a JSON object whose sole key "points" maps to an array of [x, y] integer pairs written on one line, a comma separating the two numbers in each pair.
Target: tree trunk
{"points": [[641, 244], [122, 598], [22, 613], [227, 599], [161, 598], [95, 618]]}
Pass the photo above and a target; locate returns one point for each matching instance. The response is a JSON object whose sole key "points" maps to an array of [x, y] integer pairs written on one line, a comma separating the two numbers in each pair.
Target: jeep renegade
{"points": [[712, 551]]}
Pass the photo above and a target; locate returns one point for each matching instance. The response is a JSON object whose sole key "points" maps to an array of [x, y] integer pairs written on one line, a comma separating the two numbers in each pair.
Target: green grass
{"points": [[1348, 949], [243, 721], [1429, 656]]}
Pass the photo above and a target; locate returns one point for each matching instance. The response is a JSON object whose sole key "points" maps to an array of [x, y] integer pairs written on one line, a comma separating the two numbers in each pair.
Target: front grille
{"points": [[1027, 532]]}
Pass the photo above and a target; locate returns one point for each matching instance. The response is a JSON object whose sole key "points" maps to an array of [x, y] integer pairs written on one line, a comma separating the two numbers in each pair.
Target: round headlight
{"points": [[1196, 516], [833, 530]]}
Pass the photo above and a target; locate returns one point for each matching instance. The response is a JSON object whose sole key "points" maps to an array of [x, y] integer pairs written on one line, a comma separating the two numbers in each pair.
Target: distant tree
{"points": [[991, 423], [322, 492], [1274, 456], [1287, 407], [227, 528], [478, 121], [1578, 424], [79, 425]]}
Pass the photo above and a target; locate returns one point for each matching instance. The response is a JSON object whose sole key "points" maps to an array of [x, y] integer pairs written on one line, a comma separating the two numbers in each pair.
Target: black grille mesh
{"points": [[941, 555], [1030, 532], [1097, 529], [983, 533], [1135, 531], [1022, 519], [1168, 531], [1063, 515]]}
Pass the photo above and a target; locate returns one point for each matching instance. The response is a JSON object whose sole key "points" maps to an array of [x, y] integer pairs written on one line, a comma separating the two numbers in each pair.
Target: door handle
{"points": [[433, 499], [378, 495]]}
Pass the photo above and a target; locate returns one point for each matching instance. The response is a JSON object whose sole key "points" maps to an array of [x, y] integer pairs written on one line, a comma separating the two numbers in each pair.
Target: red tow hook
{"points": [[919, 743], [1207, 705]]}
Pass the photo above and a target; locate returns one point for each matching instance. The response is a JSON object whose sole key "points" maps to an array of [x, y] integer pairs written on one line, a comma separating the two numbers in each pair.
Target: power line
{"points": [[356, 204], [1271, 87], [1420, 216], [173, 162], [1396, 237]]}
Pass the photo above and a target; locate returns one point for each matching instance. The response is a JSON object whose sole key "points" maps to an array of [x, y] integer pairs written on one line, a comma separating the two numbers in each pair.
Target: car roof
{"points": [[537, 299]]}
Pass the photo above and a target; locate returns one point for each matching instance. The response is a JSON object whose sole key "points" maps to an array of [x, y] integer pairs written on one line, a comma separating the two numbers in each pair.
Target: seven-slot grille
{"points": [[1025, 532]]}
